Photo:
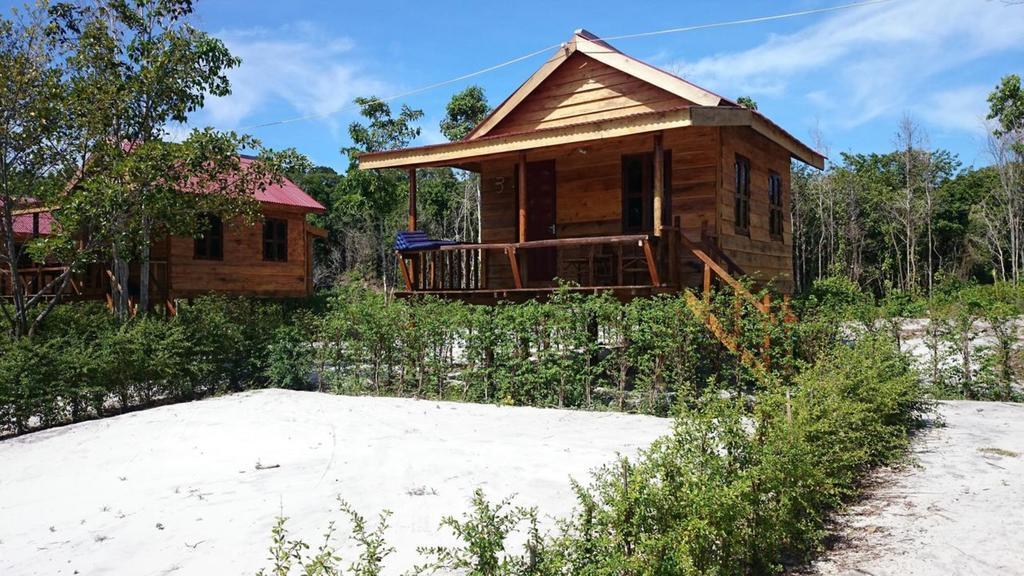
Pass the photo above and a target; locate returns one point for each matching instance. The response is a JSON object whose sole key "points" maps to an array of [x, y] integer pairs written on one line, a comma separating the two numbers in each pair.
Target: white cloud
{"points": [[962, 108], [871, 61], [296, 64], [176, 132]]}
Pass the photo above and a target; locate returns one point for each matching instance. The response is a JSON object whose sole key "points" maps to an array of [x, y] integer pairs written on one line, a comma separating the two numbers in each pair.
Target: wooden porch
{"points": [[625, 265], [93, 283]]}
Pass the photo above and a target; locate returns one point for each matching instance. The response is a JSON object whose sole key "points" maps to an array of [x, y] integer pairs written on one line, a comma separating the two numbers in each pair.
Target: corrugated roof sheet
{"points": [[23, 224], [286, 193]]}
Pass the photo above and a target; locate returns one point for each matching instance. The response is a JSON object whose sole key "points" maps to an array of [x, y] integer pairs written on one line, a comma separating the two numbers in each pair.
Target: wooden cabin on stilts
{"points": [[608, 174]]}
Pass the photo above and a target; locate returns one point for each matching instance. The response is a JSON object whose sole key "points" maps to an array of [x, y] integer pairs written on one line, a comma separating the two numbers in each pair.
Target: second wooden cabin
{"points": [[610, 174], [273, 258]]}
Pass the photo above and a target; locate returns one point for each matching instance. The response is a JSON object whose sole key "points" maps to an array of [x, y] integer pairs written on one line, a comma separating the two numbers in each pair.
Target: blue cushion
{"points": [[417, 240]]}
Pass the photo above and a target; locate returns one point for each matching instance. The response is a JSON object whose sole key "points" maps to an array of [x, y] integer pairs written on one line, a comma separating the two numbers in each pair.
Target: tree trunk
{"points": [[20, 320], [119, 285], [144, 271]]}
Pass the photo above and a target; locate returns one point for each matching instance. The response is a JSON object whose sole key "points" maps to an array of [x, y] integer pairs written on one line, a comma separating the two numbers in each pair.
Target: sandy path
{"points": [[960, 511], [175, 490]]}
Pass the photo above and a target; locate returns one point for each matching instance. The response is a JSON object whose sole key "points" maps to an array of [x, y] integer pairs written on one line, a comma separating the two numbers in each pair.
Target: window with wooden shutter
{"points": [[741, 198], [275, 240], [210, 244], [775, 206]]}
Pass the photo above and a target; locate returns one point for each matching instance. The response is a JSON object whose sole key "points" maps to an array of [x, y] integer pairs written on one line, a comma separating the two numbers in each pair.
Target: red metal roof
{"points": [[285, 193], [23, 225]]}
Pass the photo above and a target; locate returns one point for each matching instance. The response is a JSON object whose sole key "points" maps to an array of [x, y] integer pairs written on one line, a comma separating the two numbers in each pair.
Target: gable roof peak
{"points": [[592, 46]]}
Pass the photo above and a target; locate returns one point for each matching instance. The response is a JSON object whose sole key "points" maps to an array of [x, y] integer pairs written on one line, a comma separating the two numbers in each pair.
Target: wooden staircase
{"points": [[715, 263]]}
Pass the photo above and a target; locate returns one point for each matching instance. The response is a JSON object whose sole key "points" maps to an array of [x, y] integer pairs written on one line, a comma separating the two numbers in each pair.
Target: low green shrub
{"points": [[739, 490], [575, 351], [84, 364], [743, 485], [483, 535], [572, 351], [291, 556], [291, 357]]}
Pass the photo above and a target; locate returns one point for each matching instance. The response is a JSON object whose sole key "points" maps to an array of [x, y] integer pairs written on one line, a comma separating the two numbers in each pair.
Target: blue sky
{"points": [[847, 76]]}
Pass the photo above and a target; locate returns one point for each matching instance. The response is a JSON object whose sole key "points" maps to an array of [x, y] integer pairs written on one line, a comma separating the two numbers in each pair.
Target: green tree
{"points": [[372, 200], [1006, 107], [747, 102], [465, 110], [1003, 211], [452, 197], [37, 150], [323, 184], [960, 239]]}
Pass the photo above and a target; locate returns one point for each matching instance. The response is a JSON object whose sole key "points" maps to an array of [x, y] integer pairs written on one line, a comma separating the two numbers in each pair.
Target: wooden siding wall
{"points": [[243, 271], [581, 90], [589, 190], [498, 216], [759, 255]]}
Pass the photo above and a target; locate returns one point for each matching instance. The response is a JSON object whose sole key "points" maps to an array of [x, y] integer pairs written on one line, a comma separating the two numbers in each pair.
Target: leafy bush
{"points": [[290, 359], [736, 490], [743, 484], [229, 339], [287, 554], [84, 364], [574, 350], [483, 533]]}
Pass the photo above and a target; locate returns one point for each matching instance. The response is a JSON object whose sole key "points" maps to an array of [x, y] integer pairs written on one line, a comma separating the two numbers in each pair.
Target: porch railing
{"points": [[38, 278], [92, 283], [638, 260]]}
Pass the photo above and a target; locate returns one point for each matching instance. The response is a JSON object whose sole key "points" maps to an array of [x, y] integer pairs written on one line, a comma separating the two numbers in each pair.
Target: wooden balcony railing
{"points": [[637, 260], [93, 283], [38, 278]]}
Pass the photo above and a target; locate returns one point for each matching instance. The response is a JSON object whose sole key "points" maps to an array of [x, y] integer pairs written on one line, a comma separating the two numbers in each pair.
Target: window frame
{"points": [[646, 193], [741, 195], [776, 225], [212, 237], [275, 244]]}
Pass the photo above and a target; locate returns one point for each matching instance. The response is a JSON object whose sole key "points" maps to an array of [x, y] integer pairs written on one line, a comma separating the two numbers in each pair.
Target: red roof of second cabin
{"points": [[285, 193], [23, 224]]}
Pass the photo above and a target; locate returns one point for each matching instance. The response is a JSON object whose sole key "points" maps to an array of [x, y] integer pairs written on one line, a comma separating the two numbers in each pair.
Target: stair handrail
{"points": [[730, 341], [712, 265]]}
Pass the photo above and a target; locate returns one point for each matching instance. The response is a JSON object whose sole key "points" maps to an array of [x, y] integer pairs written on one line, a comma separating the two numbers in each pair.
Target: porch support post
{"points": [[412, 199], [659, 183], [521, 190], [513, 262]]}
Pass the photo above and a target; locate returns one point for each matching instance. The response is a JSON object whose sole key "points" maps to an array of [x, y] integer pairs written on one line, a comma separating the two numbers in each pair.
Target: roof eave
{"points": [[466, 151], [729, 116], [463, 151]]}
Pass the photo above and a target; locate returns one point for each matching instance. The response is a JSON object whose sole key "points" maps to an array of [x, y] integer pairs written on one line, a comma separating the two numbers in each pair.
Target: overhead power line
{"points": [[748, 20], [540, 51]]}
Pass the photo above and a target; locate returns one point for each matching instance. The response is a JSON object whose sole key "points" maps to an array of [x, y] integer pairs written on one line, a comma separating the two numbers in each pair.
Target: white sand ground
{"points": [[958, 512], [175, 490]]}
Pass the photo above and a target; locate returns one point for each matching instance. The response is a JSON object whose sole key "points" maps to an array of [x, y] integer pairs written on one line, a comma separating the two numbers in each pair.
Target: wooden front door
{"points": [[541, 263]]}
